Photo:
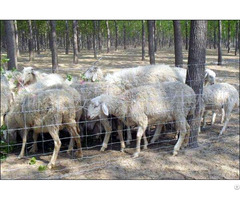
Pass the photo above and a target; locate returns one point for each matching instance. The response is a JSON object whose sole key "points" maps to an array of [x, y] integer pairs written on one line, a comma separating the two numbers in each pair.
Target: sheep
{"points": [[223, 97], [93, 74], [30, 76], [48, 110], [147, 105]]}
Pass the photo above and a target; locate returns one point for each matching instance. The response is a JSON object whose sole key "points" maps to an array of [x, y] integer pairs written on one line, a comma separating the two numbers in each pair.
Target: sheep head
{"points": [[210, 77], [28, 75], [93, 74], [97, 108]]}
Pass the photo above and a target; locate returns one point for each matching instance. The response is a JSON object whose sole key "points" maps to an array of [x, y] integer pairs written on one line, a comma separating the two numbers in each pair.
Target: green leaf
{"points": [[32, 161], [69, 77], [42, 168]]}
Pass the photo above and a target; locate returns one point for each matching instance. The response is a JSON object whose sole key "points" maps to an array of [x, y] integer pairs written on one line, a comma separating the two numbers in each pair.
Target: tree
{"points": [[94, 39], [236, 38], [99, 36], [54, 46], [75, 46], [79, 39], [116, 35], [195, 73], [155, 36], [67, 38], [143, 41], [108, 37], [178, 43], [37, 37], [16, 37], [219, 42], [30, 41], [11, 44], [124, 36], [215, 35], [186, 34], [151, 41], [228, 42]]}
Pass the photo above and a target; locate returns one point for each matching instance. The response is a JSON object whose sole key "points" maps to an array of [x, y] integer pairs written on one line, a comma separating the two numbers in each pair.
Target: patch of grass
{"points": [[33, 161], [42, 168]]}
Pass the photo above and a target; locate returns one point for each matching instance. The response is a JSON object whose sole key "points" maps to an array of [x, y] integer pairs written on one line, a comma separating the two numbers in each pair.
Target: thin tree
{"points": [[229, 33], [37, 37], [75, 46], [236, 38], [214, 35], [16, 38], [116, 35], [67, 37], [143, 41], [186, 34], [151, 41], [195, 72], [99, 36], [54, 46], [79, 38], [124, 36], [94, 38], [11, 44], [30, 44], [219, 42], [178, 43], [108, 37], [155, 36]]}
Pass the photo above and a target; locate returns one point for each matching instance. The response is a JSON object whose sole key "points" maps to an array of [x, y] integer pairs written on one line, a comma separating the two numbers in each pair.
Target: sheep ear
{"points": [[206, 74], [94, 78], [105, 109]]}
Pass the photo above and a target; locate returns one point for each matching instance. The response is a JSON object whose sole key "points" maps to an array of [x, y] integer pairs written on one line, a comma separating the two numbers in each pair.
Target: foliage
{"points": [[42, 168], [4, 147], [32, 161]]}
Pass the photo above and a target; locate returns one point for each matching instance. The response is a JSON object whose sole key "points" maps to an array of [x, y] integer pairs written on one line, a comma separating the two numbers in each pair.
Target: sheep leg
{"points": [[181, 125], [53, 131], [186, 140], [120, 134], [204, 118], [74, 133], [108, 130], [157, 133], [226, 119], [213, 117], [24, 140], [129, 136], [34, 148], [140, 132], [70, 146], [145, 141], [223, 115]]}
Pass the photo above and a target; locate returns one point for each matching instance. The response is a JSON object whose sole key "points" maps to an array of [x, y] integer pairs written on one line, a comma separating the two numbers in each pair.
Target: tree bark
{"points": [[186, 34], [79, 39], [75, 46], [124, 36], [228, 42], [54, 46], [178, 43], [67, 38], [99, 36], [11, 44], [30, 41], [94, 38], [108, 37], [143, 41], [37, 37], [155, 36], [151, 41], [219, 42], [116, 36], [195, 73], [215, 35], [236, 38], [16, 38]]}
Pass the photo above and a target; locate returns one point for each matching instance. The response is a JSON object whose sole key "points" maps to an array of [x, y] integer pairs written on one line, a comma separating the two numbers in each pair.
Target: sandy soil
{"points": [[215, 158]]}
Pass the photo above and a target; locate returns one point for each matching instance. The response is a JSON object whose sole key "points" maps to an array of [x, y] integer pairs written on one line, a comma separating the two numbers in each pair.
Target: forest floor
{"points": [[215, 158]]}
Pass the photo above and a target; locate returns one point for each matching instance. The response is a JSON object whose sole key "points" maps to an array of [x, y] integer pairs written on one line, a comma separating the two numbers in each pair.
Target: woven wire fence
{"points": [[92, 133]]}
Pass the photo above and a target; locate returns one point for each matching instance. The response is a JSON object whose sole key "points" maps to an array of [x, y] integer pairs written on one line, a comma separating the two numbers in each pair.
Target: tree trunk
{"points": [[54, 46], [124, 36], [11, 44], [67, 38], [186, 34], [16, 38], [236, 38], [108, 37], [116, 37], [178, 43], [219, 42], [143, 41], [155, 36], [215, 35], [195, 73], [99, 36], [37, 38], [228, 42], [94, 38], [75, 45], [151, 41], [30, 41], [79, 39]]}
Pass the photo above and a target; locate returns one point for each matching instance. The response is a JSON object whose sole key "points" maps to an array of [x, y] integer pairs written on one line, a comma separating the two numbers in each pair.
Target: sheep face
{"points": [[96, 108], [93, 73], [210, 77], [28, 75]]}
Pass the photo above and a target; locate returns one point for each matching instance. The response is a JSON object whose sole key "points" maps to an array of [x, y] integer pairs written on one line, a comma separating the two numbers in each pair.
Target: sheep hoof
{"points": [[78, 154], [122, 150], [128, 143], [20, 157], [175, 153], [50, 165], [135, 155], [102, 149], [145, 147]]}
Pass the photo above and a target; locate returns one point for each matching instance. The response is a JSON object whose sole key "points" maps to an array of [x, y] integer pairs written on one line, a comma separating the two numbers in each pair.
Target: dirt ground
{"points": [[215, 158]]}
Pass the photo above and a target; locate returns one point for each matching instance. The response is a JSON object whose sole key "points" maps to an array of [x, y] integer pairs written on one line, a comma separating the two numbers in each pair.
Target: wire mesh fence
{"points": [[57, 111]]}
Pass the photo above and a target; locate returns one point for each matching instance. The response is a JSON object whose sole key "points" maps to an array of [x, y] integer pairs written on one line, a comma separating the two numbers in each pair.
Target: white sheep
{"points": [[30, 76], [93, 73], [220, 97], [148, 105], [48, 110]]}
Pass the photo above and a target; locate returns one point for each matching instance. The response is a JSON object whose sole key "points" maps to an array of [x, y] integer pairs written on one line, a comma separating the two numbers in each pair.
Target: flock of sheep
{"points": [[138, 97]]}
